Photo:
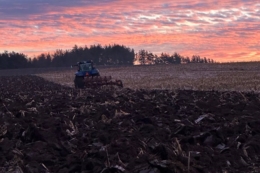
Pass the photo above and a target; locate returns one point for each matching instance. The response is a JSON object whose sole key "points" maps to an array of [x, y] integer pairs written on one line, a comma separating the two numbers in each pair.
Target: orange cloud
{"points": [[224, 31]]}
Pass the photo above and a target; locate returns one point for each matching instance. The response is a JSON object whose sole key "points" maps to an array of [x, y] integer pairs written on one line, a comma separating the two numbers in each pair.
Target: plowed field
{"points": [[46, 127]]}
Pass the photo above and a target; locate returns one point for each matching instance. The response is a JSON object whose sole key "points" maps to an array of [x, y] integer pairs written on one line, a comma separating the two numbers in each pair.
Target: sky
{"points": [[223, 30]]}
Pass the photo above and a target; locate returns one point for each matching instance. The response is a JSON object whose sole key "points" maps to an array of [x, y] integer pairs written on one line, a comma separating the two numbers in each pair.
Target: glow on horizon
{"points": [[224, 31]]}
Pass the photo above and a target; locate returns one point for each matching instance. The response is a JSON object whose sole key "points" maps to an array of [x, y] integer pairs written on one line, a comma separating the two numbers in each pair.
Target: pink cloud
{"points": [[224, 31]]}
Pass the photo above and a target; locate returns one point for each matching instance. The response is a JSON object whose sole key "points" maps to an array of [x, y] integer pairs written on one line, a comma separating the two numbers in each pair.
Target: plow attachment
{"points": [[97, 81]]}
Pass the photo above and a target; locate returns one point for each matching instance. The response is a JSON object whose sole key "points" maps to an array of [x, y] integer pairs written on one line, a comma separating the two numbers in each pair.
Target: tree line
{"points": [[107, 55], [144, 57]]}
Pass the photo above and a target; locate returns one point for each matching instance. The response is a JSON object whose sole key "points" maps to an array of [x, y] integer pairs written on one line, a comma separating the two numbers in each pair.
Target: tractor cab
{"points": [[86, 68]]}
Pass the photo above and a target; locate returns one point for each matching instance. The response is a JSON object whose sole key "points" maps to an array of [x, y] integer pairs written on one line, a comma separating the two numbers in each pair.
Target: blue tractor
{"points": [[88, 76]]}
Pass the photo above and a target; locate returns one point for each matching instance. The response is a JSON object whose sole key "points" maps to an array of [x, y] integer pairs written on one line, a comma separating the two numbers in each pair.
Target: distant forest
{"points": [[107, 55]]}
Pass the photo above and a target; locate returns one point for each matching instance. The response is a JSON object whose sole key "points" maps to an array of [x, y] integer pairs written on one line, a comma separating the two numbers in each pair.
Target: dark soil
{"points": [[45, 127]]}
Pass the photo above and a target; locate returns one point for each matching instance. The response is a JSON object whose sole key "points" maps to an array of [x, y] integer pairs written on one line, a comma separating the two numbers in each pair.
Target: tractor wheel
{"points": [[78, 81]]}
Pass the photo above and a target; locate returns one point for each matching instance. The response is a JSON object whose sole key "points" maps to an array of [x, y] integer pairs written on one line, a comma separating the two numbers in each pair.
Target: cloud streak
{"points": [[223, 30]]}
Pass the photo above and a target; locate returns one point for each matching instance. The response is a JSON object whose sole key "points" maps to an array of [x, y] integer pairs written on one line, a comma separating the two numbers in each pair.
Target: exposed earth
{"points": [[46, 127]]}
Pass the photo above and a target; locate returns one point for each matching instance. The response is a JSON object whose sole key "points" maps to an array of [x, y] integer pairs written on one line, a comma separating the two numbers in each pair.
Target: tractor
{"points": [[88, 76]]}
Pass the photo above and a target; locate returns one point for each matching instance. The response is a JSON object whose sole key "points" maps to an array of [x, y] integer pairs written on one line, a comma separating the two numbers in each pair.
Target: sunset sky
{"points": [[223, 30]]}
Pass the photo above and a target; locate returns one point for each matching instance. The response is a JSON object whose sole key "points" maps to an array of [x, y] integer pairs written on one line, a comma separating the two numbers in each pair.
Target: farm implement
{"points": [[88, 76]]}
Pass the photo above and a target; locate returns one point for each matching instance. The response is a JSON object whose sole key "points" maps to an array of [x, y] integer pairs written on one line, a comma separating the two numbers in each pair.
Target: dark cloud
{"points": [[20, 9]]}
